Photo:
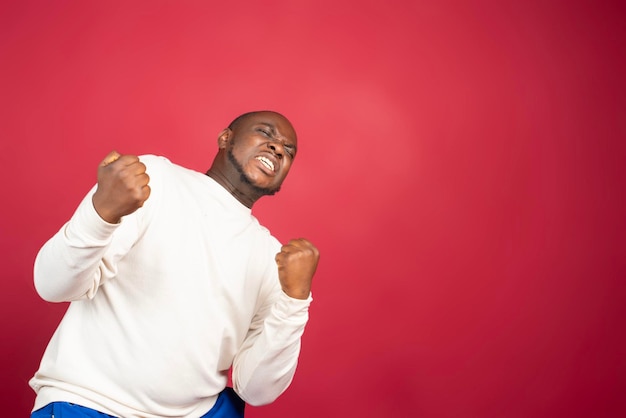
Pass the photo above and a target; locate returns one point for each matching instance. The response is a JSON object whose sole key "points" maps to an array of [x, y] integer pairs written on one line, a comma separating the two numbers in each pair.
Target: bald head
{"points": [[255, 154], [248, 115]]}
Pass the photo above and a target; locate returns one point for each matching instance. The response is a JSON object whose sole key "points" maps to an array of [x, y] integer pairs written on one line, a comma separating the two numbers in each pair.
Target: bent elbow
{"points": [[259, 400], [47, 292], [263, 394]]}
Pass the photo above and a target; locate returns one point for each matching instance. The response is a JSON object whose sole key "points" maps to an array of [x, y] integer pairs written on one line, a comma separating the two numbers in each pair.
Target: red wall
{"points": [[461, 170]]}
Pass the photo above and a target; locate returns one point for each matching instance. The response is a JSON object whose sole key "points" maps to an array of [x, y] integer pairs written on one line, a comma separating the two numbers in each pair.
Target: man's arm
{"points": [[266, 363], [78, 258]]}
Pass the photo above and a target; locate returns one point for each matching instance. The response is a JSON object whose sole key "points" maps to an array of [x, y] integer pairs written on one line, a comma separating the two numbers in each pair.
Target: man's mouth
{"points": [[266, 162]]}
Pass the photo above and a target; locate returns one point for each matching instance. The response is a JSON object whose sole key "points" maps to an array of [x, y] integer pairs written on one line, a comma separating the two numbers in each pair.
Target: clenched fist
{"points": [[297, 261], [122, 186]]}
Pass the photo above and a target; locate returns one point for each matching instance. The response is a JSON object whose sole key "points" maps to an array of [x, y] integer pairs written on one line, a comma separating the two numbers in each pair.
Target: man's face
{"points": [[261, 148]]}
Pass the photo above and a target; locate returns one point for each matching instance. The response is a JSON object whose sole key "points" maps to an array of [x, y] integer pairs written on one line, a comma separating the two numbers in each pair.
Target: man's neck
{"points": [[223, 181]]}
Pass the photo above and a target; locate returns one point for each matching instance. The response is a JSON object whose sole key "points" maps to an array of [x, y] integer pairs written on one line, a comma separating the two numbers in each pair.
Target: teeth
{"points": [[267, 162]]}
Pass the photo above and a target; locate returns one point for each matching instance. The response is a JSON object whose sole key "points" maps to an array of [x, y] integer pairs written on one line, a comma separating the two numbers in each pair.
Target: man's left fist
{"points": [[297, 262]]}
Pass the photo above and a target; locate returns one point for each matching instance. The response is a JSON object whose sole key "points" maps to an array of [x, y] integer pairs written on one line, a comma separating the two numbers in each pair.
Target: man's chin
{"points": [[265, 191], [259, 190]]}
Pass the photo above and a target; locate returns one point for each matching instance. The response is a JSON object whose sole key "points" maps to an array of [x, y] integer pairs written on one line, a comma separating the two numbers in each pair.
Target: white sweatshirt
{"points": [[163, 303]]}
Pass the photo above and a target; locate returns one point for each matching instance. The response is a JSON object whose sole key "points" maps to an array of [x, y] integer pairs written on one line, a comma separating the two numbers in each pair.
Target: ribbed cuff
{"points": [[87, 226], [292, 309]]}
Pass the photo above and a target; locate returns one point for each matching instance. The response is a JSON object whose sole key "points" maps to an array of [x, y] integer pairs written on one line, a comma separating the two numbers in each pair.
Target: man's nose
{"points": [[277, 148]]}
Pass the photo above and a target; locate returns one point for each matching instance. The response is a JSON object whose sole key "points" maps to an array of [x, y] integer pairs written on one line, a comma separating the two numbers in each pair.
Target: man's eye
{"points": [[264, 132]]}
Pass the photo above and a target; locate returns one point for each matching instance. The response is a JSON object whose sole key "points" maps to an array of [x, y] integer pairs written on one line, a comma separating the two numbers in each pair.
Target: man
{"points": [[172, 281]]}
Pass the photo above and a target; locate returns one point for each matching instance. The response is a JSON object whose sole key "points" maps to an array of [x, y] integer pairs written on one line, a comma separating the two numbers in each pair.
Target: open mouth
{"points": [[266, 162]]}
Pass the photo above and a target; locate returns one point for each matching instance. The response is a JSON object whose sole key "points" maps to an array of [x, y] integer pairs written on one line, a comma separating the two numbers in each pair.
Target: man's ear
{"points": [[223, 138]]}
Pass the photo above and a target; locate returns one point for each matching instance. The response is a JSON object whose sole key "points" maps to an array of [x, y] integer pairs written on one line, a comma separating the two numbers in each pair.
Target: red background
{"points": [[461, 170]]}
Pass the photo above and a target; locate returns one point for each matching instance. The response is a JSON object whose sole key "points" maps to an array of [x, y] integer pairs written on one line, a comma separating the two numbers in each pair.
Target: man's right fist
{"points": [[122, 186]]}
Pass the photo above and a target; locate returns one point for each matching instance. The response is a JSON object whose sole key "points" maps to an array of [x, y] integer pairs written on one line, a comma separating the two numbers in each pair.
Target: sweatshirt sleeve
{"points": [[266, 363], [80, 257]]}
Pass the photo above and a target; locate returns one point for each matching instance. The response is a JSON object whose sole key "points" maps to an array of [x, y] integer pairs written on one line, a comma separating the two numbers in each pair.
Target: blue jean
{"points": [[228, 405]]}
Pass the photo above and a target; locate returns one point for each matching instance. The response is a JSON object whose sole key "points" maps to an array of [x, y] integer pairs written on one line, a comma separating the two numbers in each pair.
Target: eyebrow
{"points": [[272, 128]]}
